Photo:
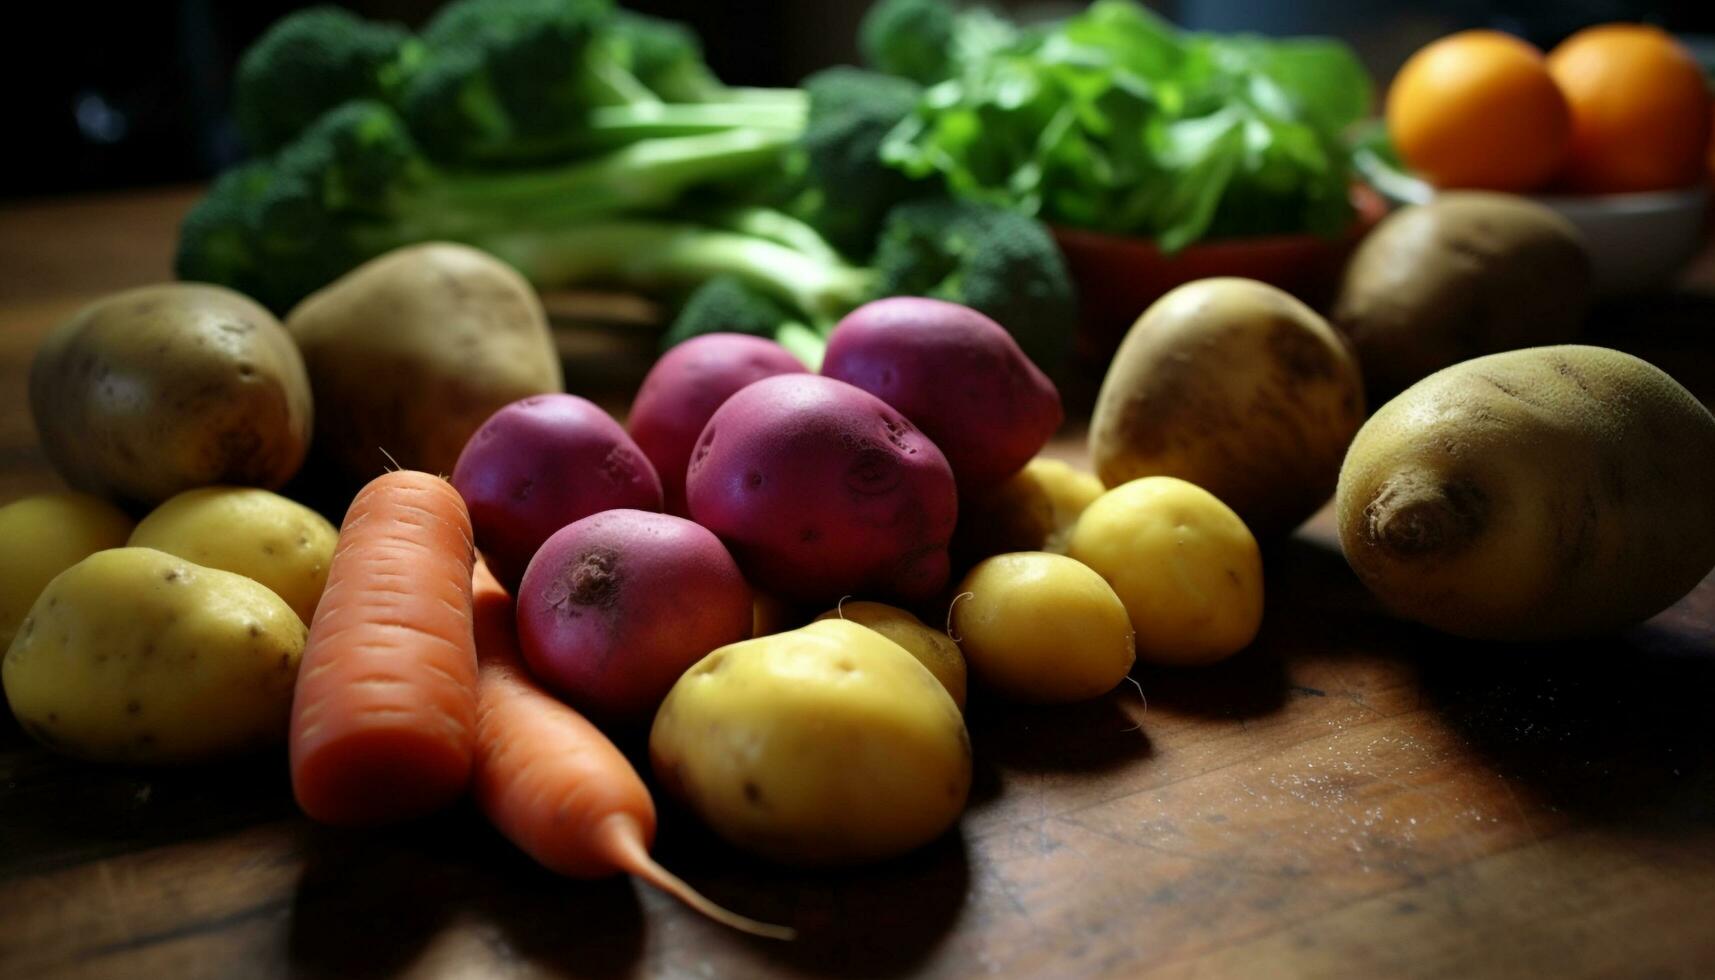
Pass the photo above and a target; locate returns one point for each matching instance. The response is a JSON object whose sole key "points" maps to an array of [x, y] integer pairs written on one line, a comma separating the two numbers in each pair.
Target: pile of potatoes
{"points": [[177, 640]]}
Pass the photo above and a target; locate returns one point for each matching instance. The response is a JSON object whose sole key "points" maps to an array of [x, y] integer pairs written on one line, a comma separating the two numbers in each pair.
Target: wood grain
{"points": [[1352, 797]]}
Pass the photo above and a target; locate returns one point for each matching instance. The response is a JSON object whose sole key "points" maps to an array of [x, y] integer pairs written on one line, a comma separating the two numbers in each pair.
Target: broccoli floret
{"points": [[665, 56], [310, 62], [988, 258], [847, 189], [909, 38]]}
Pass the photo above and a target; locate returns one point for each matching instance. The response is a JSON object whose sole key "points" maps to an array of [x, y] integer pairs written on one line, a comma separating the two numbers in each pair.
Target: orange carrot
{"points": [[553, 784], [384, 718]]}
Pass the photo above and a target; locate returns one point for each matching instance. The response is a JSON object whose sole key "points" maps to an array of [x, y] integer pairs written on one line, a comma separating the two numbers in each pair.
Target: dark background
{"points": [[110, 95]]}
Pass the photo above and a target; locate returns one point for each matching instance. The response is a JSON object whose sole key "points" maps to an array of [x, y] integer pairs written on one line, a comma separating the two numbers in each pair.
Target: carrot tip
{"points": [[623, 837]]}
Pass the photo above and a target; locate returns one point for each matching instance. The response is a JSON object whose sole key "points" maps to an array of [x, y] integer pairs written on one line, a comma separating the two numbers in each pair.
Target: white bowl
{"points": [[1637, 241]]}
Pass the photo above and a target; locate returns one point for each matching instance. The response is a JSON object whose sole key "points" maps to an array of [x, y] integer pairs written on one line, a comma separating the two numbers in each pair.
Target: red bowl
{"points": [[1118, 277]]}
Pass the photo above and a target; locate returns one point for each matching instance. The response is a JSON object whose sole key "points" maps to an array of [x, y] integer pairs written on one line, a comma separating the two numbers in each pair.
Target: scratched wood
{"points": [[1351, 797]]}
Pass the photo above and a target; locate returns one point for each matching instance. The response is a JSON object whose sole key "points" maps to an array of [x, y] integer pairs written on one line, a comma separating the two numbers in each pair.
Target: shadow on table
{"points": [[1616, 729], [370, 904], [60, 812], [877, 920]]}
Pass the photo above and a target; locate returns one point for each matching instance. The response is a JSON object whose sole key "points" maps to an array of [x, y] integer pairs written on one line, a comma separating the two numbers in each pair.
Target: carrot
{"points": [[555, 785], [384, 717]]}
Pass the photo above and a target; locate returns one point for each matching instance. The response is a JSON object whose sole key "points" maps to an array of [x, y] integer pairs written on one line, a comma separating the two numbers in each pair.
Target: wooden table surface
{"points": [[1350, 797]]}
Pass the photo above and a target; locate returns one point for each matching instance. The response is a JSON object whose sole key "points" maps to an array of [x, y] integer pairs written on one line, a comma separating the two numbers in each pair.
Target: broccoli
{"points": [[847, 189], [355, 185], [989, 258], [909, 38], [311, 62], [928, 41]]}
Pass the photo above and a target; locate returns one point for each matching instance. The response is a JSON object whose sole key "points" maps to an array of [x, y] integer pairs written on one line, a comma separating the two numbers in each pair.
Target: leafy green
{"points": [[1116, 121]]}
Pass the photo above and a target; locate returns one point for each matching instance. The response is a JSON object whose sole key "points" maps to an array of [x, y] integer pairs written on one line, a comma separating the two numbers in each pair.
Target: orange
{"points": [[1640, 109], [1478, 109]]}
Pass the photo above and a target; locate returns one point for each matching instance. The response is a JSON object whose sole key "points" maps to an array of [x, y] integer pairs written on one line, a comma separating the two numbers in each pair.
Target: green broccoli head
{"points": [[665, 56], [310, 62], [909, 38], [511, 81], [337, 195], [846, 188], [726, 304], [991, 259]]}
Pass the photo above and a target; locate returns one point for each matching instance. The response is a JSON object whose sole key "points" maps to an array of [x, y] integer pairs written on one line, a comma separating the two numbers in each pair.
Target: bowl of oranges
{"points": [[1611, 128]]}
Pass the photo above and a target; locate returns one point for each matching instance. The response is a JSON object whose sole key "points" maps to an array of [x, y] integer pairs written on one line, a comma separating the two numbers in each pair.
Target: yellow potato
{"points": [[932, 648], [43, 536], [259, 535], [1041, 627], [1032, 510], [770, 614], [1187, 569], [133, 655], [824, 745]]}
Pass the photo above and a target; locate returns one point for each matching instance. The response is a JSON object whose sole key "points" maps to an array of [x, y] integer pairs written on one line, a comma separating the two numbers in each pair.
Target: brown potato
{"points": [[410, 352], [1470, 273], [1533, 494], [163, 388], [1237, 387]]}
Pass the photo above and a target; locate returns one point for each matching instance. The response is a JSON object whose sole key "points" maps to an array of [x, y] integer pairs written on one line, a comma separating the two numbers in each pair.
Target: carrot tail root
{"points": [[622, 838]]}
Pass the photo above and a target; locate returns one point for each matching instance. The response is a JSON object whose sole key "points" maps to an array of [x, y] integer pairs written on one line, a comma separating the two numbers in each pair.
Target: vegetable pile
{"points": [[787, 583]]}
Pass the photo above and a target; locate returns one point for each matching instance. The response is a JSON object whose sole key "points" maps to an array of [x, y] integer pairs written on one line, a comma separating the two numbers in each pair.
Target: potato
{"points": [[1533, 495], [1468, 274], [411, 351], [616, 606], [684, 388], [133, 655], [957, 375], [825, 745], [540, 464], [1237, 387], [1032, 510], [822, 490], [250, 532], [1042, 628], [1187, 569], [42, 537], [932, 648], [160, 389]]}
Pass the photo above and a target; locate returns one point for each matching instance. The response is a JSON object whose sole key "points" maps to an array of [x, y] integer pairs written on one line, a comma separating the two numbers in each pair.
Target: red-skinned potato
{"points": [[541, 463], [614, 607], [685, 387], [823, 490], [957, 375]]}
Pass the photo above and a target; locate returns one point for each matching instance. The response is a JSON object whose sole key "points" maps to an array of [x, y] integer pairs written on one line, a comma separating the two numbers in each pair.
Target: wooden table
{"points": [[1351, 797]]}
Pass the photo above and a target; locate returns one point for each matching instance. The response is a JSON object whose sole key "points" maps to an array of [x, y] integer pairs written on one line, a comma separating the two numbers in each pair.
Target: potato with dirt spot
{"points": [[135, 656], [159, 389], [410, 352], [1533, 495], [824, 745], [1237, 387], [250, 532], [1468, 274]]}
